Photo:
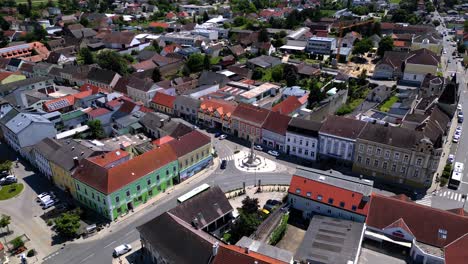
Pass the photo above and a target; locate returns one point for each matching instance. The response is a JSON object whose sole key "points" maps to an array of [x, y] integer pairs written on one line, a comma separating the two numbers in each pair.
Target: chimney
{"points": [[73, 147], [75, 161], [162, 122], [360, 177], [215, 249], [247, 250]]}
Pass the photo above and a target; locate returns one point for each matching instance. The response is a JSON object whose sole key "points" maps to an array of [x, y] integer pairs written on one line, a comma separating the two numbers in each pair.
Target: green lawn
{"points": [[34, 2], [385, 107], [215, 60], [327, 13], [395, 1], [10, 191]]}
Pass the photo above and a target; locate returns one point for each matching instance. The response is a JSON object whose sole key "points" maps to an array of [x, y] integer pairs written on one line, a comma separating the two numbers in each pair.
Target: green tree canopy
{"points": [[277, 73], [111, 60], [156, 75], [290, 74], [96, 129], [250, 205], [263, 35], [385, 44], [6, 165], [85, 56], [5, 221], [67, 224], [362, 46], [195, 62]]}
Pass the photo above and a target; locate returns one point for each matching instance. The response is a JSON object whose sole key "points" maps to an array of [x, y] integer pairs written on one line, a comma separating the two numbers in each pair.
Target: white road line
{"points": [[110, 244], [451, 196], [88, 257], [456, 197]]}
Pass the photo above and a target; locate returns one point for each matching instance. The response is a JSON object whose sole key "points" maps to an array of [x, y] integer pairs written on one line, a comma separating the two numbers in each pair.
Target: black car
{"points": [[223, 164]]}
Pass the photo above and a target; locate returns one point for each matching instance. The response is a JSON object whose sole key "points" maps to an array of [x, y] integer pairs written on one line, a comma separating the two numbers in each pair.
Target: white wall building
{"points": [[302, 138], [321, 45]]}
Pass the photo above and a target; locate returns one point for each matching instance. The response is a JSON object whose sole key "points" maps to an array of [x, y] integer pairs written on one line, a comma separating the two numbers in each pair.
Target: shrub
{"points": [[17, 243], [279, 232], [443, 181], [31, 253], [50, 222]]}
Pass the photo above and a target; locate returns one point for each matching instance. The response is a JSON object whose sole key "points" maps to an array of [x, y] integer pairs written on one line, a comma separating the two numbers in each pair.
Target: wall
{"points": [[335, 147], [36, 132], [63, 179], [296, 142], [192, 162], [273, 140]]}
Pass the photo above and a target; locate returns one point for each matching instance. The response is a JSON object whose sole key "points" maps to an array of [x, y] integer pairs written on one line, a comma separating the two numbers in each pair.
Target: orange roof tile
{"points": [[162, 141], [83, 94], [287, 106], [108, 158], [59, 103], [231, 254], [164, 100]]}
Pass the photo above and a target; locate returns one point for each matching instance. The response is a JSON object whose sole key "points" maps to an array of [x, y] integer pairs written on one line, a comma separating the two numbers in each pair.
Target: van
{"points": [[122, 249], [48, 204], [45, 199]]}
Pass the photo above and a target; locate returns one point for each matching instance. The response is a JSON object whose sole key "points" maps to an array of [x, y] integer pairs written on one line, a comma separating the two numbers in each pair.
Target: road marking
{"points": [[456, 196], [88, 257], [110, 244], [451, 196], [128, 233]]}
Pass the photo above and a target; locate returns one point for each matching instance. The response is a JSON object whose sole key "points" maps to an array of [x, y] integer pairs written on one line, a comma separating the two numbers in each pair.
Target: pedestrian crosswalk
{"points": [[426, 200], [451, 195], [231, 157]]}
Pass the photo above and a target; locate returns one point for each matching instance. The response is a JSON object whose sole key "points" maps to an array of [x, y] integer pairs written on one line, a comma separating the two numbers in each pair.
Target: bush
{"points": [[17, 242], [50, 222], [343, 110], [31, 253], [443, 181], [279, 232]]}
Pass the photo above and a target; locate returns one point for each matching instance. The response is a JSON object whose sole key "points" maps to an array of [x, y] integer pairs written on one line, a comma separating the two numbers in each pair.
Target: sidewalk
{"points": [[121, 221]]}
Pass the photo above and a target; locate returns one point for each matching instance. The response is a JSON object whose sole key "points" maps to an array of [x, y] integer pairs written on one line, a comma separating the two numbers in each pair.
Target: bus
{"points": [[455, 180], [193, 193], [458, 167]]}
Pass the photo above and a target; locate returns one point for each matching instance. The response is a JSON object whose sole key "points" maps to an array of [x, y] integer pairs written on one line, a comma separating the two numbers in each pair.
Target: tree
{"points": [[277, 73], [4, 25], [362, 46], [263, 35], [461, 48], [195, 62], [95, 127], [290, 74], [113, 61], [257, 73], [85, 56], [6, 165], [156, 75], [250, 205], [207, 62], [205, 16], [67, 224], [5, 222], [84, 21], [436, 23], [385, 44]]}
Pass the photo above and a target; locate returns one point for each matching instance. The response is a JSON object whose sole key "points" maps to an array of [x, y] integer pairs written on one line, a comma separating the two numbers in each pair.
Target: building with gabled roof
{"points": [[216, 113], [120, 184], [274, 131], [162, 102], [42, 153], [247, 121], [302, 137]]}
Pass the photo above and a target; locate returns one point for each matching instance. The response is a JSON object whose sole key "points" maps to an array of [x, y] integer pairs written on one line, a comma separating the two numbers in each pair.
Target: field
{"points": [[395, 1], [34, 2]]}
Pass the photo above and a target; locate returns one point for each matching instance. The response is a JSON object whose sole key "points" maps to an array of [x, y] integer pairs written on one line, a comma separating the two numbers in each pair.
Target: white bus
{"points": [[458, 167], [193, 193], [455, 180]]}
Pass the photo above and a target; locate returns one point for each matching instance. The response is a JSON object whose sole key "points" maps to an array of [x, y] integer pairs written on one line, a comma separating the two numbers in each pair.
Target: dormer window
{"points": [[298, 191], [442, 233]]}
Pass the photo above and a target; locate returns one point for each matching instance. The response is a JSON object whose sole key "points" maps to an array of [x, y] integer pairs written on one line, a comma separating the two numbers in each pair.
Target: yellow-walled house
{"points": [[418, 64], [9, 77]]}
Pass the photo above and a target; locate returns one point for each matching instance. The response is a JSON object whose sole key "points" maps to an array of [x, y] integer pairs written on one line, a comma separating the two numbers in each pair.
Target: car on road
{"points": [[258, 147], [217, 134], [456, 138], [459, 128], [223, 136], [122, 249], [459, 107], [8, 180], [273, 153], [460, 117], [43, 195], [223, 164], [451, 159]]}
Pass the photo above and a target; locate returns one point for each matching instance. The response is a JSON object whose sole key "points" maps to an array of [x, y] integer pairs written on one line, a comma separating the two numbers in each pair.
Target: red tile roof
{"points": [[277, 123], [110, 180], [94, 89], [287, 106], [162, 141], [424, 222], [109, 157], [329, 191], [98, 112], [231, 254], [59, 103], [164, 100], [250, 113], [455, 252], [189, 142], [223, 108], [4, 75], [83, 94]]}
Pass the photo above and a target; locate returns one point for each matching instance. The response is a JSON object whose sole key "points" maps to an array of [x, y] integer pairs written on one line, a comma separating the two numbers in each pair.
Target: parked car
{"points": [[457, 133], [459, 107], [456, 139], [459, 128], [273, 153], [122, 249], [258, 147], [223, 164], [460, 117], [8, 180], [223, 136], [49, 203], [4, 174], [43, 195], [217, 134], [270, 204], [46, 198], [451, 159]]}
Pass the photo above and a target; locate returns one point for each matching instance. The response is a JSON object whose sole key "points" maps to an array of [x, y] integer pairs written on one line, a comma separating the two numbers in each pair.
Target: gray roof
{"points": [[47, 147], [265, 61], [210, 78], [337, 179], [330, 240], [389, 135], [13, 85], [173, 128], [68, 150], [8, 116], [101, 75], [23, 120], [130, 119], [265, 249], [83, 33], [304, 127], [187, 101]]}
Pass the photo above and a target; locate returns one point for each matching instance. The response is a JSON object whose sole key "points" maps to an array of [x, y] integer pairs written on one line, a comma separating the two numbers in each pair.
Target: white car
{"points": [[445, 52], [41, 196], [456, 138], [451, 159], [223, 136], [258, 147], [459, 107], [122, 249], [273, 153], [459, 128]]}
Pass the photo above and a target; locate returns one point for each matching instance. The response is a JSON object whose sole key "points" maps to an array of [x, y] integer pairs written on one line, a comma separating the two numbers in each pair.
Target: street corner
{"points": [[134, 256]]}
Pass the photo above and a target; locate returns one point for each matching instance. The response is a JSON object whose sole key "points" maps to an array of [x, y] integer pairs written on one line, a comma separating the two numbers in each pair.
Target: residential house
{"points": [[418, 64], [431, 41], [391, 66], [247, 122], [379, 94], [264, 62], [104, 116], [402, 156], [330, 193], [274, 131], [25, 129], [186, 107], [290, 106], [105, 79], [65, 160], [8, 77], [42, 153], [142, 90], [302, 138], [17, 90], [113, 184], [164, 103], [73, 119], [321, 45], [119, 40], [158, 126], [215, 113], [193, 152], [432, 85], [337, 138]]}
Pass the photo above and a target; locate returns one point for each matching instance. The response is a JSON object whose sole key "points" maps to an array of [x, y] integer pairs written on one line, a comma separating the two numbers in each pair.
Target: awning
{"points": [[376, 236]]}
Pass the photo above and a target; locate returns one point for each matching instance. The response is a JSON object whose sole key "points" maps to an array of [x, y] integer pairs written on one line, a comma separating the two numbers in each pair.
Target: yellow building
{"points": [[9, 77], [64, 162]]}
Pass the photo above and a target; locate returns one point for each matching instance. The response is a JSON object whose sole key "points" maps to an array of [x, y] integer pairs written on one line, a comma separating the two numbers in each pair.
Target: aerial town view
{"points": [[233, 131]]}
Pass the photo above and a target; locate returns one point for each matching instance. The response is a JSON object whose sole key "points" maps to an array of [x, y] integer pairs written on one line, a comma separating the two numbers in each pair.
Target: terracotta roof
{"points": [[400, 43], [121, 37], [144, 65], [110, 180], [342, 127], [250, 113], [402, 197], [223, 108], [83, 94], [455, 252], [287, 106], [59, 103], [384, 211], [110, 157], [458, 211], [4, 75], [89, 87], [231, 254], [327, 191], [98, 112], [277, 123], [423, 56], [162, 141], [189, 142], [164, 100]]}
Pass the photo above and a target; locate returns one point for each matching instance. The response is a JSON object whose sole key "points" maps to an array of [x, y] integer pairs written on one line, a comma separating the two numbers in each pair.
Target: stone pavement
{"points": [[266, 165], [268, 192]]}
